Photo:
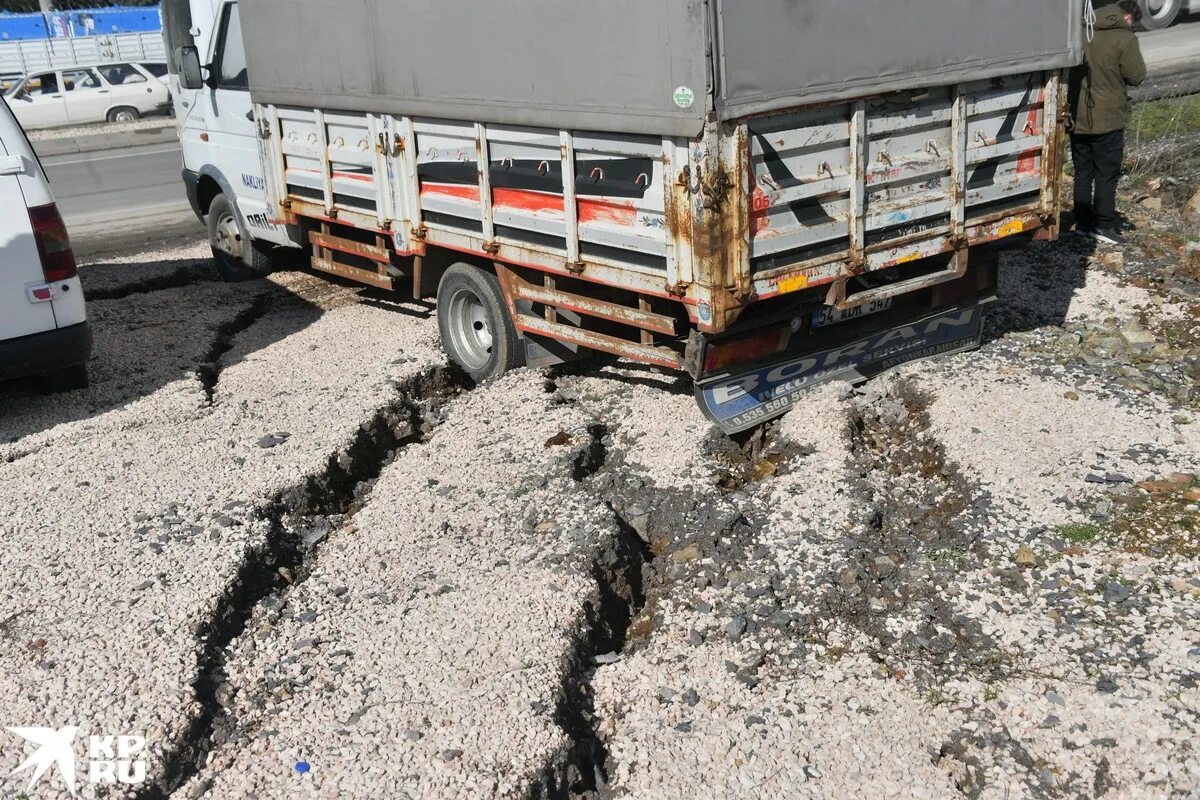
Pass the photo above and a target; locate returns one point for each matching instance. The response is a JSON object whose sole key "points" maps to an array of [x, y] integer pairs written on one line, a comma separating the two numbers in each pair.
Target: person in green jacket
{"points": [[1099, 103]]}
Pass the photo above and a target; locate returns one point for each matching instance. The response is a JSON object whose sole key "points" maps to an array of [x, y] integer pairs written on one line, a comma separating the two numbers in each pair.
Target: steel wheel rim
{"points": [[124, 116], [470, 331], [228, 239], [1159, 9]]}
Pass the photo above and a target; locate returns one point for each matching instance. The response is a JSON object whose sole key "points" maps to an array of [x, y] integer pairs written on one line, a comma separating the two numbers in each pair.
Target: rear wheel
{"points": [[236, 258], [477, 332], [1158, 14], [65, 380], [124, 114]]}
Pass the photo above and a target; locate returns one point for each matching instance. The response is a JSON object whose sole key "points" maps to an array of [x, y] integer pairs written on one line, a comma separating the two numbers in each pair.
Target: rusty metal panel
{"points": [[837, 182], [779, 54], [360, 249], [716, 197], [402, 172], [659, 356], [353, 273], [601, 309]]}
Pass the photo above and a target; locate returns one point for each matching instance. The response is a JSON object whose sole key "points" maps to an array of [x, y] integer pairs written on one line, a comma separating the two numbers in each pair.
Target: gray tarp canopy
{"points": [[633, 65]]}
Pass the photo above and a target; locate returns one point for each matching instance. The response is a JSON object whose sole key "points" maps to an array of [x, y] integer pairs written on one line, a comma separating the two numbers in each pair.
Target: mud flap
{"points": [[741, 401]]}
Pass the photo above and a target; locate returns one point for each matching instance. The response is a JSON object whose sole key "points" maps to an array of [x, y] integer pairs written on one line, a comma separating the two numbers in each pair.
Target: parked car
{"points": [[1157, 14], [43, 319], [116, 92]]}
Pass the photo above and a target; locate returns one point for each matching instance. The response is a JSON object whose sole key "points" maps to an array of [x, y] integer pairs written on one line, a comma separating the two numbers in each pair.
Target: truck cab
{"points": [[222, 166]]}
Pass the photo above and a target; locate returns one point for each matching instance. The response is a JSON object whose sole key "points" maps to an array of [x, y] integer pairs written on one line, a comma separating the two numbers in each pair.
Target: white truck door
{"points": [[231, 129]]}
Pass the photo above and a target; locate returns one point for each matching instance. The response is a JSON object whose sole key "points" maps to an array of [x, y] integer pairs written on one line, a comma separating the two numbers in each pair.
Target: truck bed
{"points": [[752, 210]]}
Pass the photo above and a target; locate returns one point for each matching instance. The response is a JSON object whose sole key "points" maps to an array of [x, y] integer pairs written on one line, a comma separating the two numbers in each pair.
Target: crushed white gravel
{"points": [[903, 590], [444, 612], [129, 508]]}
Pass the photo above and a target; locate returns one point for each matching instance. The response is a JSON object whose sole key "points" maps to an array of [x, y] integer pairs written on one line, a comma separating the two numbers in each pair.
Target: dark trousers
{"points": [[1097, 159]]}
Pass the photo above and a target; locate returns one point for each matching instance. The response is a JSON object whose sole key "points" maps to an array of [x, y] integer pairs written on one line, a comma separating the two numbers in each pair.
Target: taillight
{"points": [[54, 246], [750, 347]]}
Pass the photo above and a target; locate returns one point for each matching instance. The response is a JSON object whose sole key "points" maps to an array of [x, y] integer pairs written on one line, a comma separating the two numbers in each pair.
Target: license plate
{"points": [[831, 316]]}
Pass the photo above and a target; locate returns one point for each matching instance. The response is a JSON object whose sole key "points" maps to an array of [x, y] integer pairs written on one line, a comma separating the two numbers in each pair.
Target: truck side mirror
{"points": [[191, 74]]}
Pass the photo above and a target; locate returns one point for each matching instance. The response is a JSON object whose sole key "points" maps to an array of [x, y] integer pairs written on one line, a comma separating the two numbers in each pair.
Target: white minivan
{"points": [[43, 320], [117, 92]]}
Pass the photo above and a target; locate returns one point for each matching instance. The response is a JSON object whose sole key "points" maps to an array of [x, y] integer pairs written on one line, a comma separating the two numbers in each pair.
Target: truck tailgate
{"points": [[855, 187]]}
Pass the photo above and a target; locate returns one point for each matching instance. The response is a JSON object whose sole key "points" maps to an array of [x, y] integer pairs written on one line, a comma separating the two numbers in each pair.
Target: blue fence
{"points": [[93, 22]]}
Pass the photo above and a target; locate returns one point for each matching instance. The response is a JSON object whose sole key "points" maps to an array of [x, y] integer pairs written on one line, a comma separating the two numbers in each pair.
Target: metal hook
{"points": [[600, 171], [931, 147], [640, 178], [508, 162], [543, 167]]}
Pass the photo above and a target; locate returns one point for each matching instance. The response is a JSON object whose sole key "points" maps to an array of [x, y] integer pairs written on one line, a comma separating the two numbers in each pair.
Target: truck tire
{"points": [[1159, 14], [476, 329], [65, 380], [124, 114], [236, 259]]}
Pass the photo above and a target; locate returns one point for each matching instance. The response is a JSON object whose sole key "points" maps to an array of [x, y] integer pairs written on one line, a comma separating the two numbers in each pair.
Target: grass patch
{"points": [[1159, 518], [1079, 534], [1163, 524], [1163, 119]]}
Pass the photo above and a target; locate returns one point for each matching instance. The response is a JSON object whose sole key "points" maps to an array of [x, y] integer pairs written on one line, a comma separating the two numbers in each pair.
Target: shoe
{"points": [[1108, 236], [1084, 232]]}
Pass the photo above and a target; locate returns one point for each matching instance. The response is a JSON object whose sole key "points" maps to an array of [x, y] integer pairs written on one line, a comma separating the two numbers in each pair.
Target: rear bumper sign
{"points": [[739, 402]]}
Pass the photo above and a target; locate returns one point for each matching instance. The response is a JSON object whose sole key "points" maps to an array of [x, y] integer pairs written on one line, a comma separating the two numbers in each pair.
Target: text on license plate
{"points": [[831, 316]]}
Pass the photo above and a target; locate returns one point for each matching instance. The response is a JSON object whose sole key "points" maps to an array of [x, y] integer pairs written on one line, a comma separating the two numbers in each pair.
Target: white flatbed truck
{"points": [[764, 195]]}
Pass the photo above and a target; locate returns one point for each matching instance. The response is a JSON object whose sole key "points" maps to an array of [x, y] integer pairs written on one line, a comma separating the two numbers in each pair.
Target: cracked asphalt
{"points": [[284, 541]]}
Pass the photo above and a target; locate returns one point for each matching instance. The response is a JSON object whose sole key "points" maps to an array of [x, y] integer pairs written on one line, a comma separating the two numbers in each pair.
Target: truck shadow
{"points": [[1037, 285], [169, 340]]}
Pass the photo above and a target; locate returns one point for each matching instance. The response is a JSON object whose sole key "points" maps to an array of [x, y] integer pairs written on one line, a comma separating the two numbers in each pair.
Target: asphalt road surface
{"points": [[1175, 49], [116, 197]]}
